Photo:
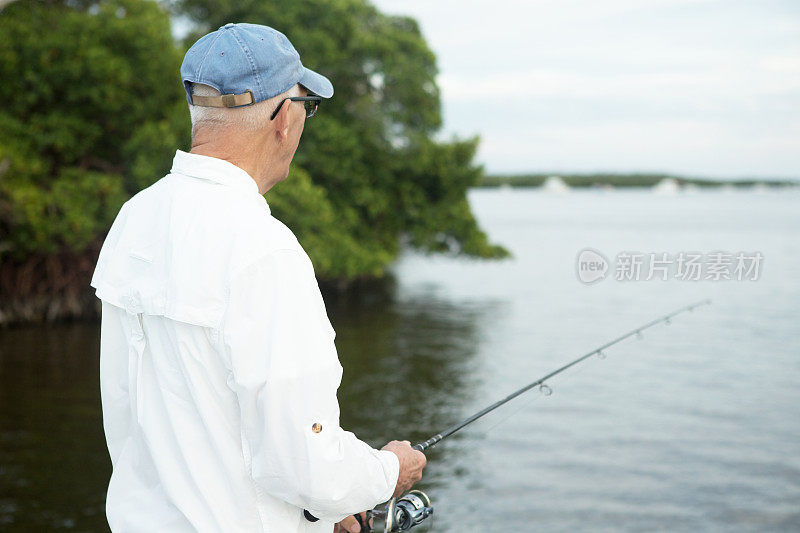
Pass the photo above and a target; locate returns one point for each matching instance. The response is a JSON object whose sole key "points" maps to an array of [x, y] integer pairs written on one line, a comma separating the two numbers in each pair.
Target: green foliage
{"points": [[75, 209], [306, 209], [370, 148], [90, 116], [94, 110]]}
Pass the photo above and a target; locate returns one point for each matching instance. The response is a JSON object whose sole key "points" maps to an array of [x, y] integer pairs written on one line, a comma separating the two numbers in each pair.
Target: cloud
{"points": [[700, 86]]}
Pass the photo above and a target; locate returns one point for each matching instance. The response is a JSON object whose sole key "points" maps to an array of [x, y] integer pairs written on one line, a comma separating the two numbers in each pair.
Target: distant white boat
{"points": [[666, 186], [555, 185]]}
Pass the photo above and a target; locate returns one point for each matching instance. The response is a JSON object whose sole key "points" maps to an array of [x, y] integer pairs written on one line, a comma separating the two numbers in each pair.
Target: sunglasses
{"points": [[311, 104]]}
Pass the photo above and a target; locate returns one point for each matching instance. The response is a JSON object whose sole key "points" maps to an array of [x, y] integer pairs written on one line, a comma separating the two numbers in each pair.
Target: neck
{"points": [[244, 151]]}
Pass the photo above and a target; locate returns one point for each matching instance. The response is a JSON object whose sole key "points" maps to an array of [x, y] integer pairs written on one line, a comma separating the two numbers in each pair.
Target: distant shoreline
{"points": [[604, 181]]}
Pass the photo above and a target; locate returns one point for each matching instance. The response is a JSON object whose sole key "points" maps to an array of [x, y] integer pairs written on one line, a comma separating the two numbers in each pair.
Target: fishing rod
{"points": [[422, 446], [414, 507]]}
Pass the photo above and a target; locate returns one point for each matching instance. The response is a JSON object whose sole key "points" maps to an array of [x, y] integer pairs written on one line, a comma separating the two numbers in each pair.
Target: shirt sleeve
{"points": [[285, 371]]}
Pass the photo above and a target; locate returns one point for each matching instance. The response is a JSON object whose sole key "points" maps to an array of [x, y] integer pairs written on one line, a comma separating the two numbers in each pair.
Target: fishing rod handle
{"points": [[422, 446]]}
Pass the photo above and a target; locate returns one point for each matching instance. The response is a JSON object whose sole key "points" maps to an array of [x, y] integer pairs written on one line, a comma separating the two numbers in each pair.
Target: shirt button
{"points": [[317, 427]]}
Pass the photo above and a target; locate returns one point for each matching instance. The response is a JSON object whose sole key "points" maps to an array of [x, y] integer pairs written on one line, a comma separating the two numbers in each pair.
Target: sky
{"points": [[701, 88]]}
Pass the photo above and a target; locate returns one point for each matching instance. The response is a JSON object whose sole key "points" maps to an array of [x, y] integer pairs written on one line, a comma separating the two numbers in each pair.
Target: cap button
{"points": [[229, 25]]}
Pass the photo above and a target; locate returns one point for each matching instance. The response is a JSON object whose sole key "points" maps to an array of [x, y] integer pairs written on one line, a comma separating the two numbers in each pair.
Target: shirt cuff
{"points": [[391, 471]]}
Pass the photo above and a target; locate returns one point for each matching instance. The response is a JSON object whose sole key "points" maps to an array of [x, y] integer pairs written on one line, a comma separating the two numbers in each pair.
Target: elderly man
{"points": [[218, 366]]}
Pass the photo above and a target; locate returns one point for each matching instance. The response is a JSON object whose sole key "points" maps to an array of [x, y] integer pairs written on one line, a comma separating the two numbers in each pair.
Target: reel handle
{"points": [[365, 527]]}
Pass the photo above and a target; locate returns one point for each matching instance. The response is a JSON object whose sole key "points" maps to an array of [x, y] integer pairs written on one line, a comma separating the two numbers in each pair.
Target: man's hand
{"points": [[351, 525], [411, 464]]}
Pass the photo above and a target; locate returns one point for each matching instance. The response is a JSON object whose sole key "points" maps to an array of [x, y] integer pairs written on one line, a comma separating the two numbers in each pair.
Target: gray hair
{"points": [[253, 117]]}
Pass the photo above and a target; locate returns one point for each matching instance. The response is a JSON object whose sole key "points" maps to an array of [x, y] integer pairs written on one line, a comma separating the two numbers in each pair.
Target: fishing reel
{"points": [[401, 514]]}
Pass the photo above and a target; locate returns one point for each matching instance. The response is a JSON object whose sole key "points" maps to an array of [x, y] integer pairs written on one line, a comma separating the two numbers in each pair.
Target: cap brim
{"points": [[316, 83]]}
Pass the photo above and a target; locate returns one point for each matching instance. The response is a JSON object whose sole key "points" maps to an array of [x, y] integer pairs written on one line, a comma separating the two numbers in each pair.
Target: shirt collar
{"points": [[213, 169]]}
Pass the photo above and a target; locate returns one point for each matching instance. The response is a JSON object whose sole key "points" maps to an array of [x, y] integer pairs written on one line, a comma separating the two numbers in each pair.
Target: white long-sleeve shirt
{"points": [[218, 367]]}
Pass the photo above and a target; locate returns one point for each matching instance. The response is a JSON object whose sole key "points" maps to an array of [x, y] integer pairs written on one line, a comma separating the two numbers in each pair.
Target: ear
{"points": [[282, 121]]}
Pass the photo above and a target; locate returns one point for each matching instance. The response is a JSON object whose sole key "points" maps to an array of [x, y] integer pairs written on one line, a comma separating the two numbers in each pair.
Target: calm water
{"points": [[694, 428]]}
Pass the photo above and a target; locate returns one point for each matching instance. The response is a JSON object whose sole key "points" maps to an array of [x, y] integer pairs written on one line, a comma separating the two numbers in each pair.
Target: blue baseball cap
{"points": [[247, 63]]}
